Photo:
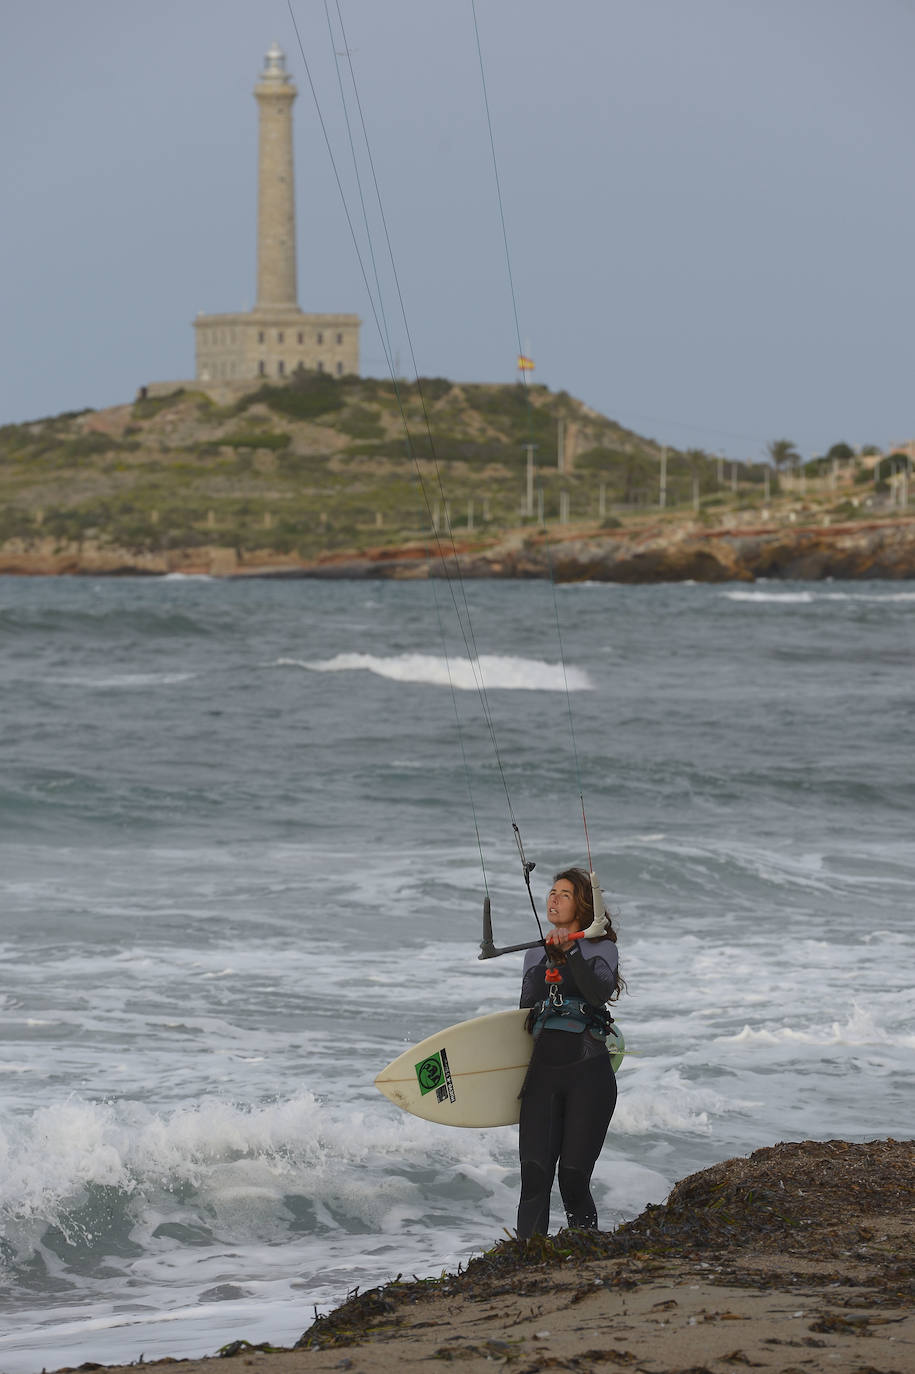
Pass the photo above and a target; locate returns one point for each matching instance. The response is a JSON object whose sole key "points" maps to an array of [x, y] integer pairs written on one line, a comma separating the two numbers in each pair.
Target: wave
{"points": [[494, 672], [127, 680], [860, 1031], [80, 1176], [785, 598], [807, 598], [77, 1171]]}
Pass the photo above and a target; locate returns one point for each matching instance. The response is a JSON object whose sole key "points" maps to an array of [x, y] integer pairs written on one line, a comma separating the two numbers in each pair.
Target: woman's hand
{"points": [[559, 940]]}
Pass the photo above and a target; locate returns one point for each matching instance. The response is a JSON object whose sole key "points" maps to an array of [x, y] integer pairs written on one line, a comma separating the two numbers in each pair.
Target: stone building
{"points": [[276, 337]]}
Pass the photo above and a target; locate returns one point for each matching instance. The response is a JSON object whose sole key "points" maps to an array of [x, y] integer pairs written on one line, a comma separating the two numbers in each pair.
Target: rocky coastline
{"points": [[647, 553]]}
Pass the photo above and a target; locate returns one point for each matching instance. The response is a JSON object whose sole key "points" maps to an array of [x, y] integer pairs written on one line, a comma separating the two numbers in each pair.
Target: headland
{"points": [[357, 478]]}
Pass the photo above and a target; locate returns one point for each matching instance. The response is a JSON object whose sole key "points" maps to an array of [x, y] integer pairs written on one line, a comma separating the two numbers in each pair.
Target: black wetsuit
{"points": [[570, 1090]]}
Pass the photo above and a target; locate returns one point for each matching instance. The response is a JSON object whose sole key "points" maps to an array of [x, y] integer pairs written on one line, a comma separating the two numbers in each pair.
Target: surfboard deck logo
{"points": [[433, 1074]]}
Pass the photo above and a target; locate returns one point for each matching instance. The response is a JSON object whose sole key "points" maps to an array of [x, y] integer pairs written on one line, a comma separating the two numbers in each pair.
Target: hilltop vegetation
{"points": [[323, 464]]}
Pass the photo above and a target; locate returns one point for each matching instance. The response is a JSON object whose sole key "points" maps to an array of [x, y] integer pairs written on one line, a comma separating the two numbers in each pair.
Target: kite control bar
{"points": [[488, 949]]}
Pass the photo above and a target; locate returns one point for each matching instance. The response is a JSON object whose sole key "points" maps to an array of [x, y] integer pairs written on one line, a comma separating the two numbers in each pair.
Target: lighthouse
{"points": [[276, 274], [276, 338]]}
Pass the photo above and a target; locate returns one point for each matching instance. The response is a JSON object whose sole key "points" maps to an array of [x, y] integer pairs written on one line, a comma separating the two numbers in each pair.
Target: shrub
{"points": [[600, 457], [257, 439], [308, 395], [85, 446], [433, 388], [360, 422], [145, 407]]}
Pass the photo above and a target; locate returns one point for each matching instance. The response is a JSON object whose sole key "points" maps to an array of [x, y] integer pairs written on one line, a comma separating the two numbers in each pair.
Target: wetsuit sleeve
{"points": [[532, 984], [595, 978]]}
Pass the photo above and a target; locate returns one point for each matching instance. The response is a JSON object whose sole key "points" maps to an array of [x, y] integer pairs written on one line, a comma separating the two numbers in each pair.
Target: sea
{"points": [[246, 830]]}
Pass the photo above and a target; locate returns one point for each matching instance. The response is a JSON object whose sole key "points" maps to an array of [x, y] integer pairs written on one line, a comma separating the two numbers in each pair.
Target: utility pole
{"points": [[529, 502], [560, 445]]}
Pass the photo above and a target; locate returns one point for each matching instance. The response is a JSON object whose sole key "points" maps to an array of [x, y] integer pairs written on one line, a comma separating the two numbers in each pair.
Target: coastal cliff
{"points": [[677, 553], [671, 552]]}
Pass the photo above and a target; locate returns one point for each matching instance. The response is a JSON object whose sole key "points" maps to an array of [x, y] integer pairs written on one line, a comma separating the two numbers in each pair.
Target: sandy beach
{"points": [[799, 1258]]}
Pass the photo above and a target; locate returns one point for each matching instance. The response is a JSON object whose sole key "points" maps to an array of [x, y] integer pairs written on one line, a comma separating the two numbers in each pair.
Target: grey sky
{"points": [[709, 203]]}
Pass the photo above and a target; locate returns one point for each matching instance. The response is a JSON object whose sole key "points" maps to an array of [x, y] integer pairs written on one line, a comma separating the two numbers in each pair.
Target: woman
{"points": [[570, 1089]]}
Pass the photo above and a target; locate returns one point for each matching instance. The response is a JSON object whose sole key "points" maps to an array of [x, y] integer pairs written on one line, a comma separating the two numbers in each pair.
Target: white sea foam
{"points": [[784, 598], [859, 1031], [334, 1155], [493, 672], [807, 598], [127, 681]]}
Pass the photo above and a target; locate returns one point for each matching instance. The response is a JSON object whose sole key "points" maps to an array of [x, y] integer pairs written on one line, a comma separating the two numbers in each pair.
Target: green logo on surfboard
{"points": [[430, 1074]]}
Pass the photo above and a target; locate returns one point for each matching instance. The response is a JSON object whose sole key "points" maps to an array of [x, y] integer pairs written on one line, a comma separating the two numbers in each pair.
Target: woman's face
{"points": [[562, 906]]}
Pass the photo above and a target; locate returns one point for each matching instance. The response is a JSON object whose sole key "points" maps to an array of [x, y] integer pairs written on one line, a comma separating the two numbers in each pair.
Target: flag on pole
{"points": [[525, 364]]}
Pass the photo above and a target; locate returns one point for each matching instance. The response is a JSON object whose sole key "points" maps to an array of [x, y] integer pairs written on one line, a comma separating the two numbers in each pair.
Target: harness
{"points": [[573, 1014]]}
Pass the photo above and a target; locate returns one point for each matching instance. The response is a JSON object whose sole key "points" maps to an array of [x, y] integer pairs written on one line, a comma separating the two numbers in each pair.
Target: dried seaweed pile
{"points": [[797, 1198], [778, 1198], [782, 1193]]}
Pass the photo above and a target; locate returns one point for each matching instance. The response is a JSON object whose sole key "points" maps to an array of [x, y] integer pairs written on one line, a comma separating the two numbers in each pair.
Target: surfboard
{"points": [[469, 1074]]}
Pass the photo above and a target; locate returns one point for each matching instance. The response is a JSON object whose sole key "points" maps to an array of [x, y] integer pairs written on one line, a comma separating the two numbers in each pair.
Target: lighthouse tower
{"points": [[276, 276], [276, 338]]}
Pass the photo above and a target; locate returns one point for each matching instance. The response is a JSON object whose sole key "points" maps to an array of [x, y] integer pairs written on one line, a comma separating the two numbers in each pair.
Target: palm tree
{"points": [[783, 453]]}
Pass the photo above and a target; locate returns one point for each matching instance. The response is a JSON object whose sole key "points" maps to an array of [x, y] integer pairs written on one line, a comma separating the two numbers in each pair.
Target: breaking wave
{"points": [[494, 672]]}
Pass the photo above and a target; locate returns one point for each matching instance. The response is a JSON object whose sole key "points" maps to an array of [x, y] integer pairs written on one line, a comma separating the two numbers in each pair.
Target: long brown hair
{"points": [[584, 909]]}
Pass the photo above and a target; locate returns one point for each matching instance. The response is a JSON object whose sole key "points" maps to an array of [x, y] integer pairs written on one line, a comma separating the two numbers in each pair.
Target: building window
{"points": [[261, 368], [260, 336], [279, 337], [339, 369], [280, 368], [320, 337], [320, 367], [339, 338], [301, 337]]}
